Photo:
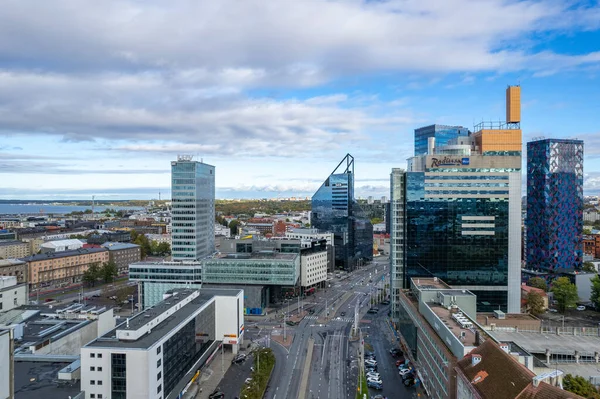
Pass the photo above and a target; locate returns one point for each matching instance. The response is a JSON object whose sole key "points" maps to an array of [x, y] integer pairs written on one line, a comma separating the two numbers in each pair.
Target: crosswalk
{"points": [[340, 319]]}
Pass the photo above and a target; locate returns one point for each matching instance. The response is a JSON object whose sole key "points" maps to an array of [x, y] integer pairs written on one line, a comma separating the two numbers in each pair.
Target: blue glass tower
{"points": [[442, 134], [555, 205], [335, 209], [193, 212]]}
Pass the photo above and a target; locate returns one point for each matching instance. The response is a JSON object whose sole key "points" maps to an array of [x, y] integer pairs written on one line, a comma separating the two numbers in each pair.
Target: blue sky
{"points": [[96, 98]]}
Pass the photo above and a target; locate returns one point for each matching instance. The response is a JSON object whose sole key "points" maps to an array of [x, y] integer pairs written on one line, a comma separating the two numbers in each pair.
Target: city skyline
{"points": [[98, 100]]}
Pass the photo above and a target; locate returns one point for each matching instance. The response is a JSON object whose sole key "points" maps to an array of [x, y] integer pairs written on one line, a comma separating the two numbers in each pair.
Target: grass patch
{"points": [[264, 362], [362, 388]]}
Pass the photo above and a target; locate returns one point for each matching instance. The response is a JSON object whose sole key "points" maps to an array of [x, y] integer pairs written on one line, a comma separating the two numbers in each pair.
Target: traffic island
{"points": [[287, 342], [264, 364]]}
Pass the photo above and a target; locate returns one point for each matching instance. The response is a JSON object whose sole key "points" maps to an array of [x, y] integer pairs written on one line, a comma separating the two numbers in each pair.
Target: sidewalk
{"points": [[211, 376]]}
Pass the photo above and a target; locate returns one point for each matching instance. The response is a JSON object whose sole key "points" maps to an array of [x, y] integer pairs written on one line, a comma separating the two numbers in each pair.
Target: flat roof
{"points": [[109, 340], [6, 243], [63, 254], [259, 255], [40, 380], [446, 316], [429, 283], [116, 246]]}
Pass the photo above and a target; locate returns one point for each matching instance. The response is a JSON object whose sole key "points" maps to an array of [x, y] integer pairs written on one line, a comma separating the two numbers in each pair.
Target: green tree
{"points": [[233, 227], [535, 303], [142, 241], [589, 267], [565, 293], [164, 249], [538, 282], [376, 220], [580, 386], [91, 275], [595, 297], [109, 271]]}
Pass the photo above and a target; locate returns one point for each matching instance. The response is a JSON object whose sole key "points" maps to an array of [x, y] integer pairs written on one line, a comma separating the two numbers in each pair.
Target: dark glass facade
{"points": [[442, 133], [118, 376], [334, 209], [183, 349], [444, 239], [555, 205]]}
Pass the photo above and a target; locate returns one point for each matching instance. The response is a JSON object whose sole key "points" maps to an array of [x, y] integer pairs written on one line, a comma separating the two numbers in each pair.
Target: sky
{"points": [[96, 98]]}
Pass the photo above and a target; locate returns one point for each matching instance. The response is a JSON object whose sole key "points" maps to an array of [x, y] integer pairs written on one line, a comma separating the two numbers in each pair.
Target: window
{"points": [[158, 350], [92, 368], [99, 382], [92, 355], [92, 395], [158, 376], [99, 355], [92, 382], [99, 396], [158, 363], [159, 389], [99, 368]]}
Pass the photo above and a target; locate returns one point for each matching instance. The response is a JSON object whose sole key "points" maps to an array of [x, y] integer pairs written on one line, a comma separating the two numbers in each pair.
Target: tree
{"points": [[595, 297], [163, 249], [535, 303], [580, 386], [109, 271], [565, 293], [124, 293], [91, 274], [233, 226], [142, 241], [589, 267], [538, 282]]}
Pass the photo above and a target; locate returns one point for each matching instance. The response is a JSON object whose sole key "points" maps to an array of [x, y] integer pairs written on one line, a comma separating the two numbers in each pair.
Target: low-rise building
{"points": [[61, 245], [491, 371], [526, 289], [12, 294], [10, 249], [14, 267], [123, 254], [60, 269], [156, 353], [159, 238]]}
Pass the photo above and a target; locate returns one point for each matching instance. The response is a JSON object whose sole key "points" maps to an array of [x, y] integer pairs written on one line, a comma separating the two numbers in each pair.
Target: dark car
{"points": [[374, 385], [216, 395], [239, 359], [343, 314], [409, 382]]}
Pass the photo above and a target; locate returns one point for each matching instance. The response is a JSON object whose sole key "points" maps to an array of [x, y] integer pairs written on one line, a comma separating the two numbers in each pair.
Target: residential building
{"points": [[313, 266], [591, 215], [193, 209], [56, 330], [159, 238], [7, 374], [335, 209], [221, 230], [441, 133], [10, 249], [456, 213], [555, 205], [156, 353], [61, 245], [14, 267], [490, 371], [123, 254], [61, 269], [12, 294], [526, 289]]}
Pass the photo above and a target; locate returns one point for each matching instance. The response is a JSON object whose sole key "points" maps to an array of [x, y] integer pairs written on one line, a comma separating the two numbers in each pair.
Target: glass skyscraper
{"points": [[554, 205], [442, 134], [456, 215], [193, 209], [334, 209]]}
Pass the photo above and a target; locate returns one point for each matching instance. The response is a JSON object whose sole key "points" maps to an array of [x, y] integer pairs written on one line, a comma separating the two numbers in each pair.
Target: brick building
{"points": [[123, 254]]}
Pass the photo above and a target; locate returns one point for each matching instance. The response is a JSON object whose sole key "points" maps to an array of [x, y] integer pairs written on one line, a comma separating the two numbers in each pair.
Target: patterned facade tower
{"points": [[555, 205]]}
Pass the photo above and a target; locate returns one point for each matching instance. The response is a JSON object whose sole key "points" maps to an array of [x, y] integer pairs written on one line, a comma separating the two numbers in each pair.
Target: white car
{"points": [[373, 375], [403, 371], [580, 307], [375, 380]]}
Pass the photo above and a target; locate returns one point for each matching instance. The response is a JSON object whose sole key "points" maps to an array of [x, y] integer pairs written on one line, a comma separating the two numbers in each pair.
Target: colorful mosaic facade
{"points": [[554, 205]]}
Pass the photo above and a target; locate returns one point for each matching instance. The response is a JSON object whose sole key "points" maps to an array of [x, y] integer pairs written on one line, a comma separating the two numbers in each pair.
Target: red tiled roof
{"points": [[528, 289], [546, 391]]}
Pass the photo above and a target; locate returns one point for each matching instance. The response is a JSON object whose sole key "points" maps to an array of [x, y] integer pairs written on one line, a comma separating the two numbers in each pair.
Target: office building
{"points": [[61, 269], [441, 133], [334, 209], [456, 214], [193, 209], [156, 353], [554, 205], [12, 293]]}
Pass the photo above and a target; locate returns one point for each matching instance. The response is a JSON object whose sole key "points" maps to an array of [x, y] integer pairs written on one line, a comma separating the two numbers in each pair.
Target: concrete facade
{"points": [[12, 294], [313, 267], [14, 267], [13, 249]]}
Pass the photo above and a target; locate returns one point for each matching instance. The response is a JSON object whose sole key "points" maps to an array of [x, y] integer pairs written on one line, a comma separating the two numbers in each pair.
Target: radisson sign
{"points": [[448, 161]]}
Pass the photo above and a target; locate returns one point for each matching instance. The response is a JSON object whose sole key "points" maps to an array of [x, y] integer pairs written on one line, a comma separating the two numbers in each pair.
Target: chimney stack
{"points": [[475, 359], [504, 347]]}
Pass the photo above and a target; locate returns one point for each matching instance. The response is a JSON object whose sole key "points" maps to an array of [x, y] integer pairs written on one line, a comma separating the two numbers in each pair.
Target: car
{"points": [[580, 307], [377, 397], [377, 380], [369, 353], [343, 314], [373, 311], [552, 310], [248, 380], [400, 362], [409, 382], [386, 302], [96, 296], [403, 371], [374, 385], [373, 374], [217, 394], [369, 368], [370, 360], [241, 358]]}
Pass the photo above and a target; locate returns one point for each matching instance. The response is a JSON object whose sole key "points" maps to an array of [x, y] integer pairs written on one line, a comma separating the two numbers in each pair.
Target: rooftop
{"points": [[117, 246], [7, 243], [260, 255], [63, 254], [429, 283], [465, 335], [110, 340], [40, 380]]}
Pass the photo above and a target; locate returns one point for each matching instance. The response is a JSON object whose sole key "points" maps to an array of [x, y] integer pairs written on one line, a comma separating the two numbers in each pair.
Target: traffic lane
{"points": [[234, 379], [280, 360]]}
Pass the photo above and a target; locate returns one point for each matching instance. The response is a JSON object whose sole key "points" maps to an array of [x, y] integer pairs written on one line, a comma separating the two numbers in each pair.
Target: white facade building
{"points": [[156, 353], [313, 267], [61, 245], [12, 295], [310, 235], [221, 230], [6, 365], [159, 238]]}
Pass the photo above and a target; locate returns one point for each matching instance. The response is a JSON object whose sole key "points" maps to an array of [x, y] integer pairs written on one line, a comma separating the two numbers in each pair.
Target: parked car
{"points": [[386, 302], [409, 382], [580, 307], [552, 310], [217, 394], [343, 314], [403, 371], [373, 310], [370, 368], [370, 353], [376, 380], [241, 358], [248, 380], [373, 374], [374, 385]]}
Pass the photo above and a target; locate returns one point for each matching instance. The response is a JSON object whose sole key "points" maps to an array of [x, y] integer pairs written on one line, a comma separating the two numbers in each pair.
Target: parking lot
{"points": [[572, 318]]}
